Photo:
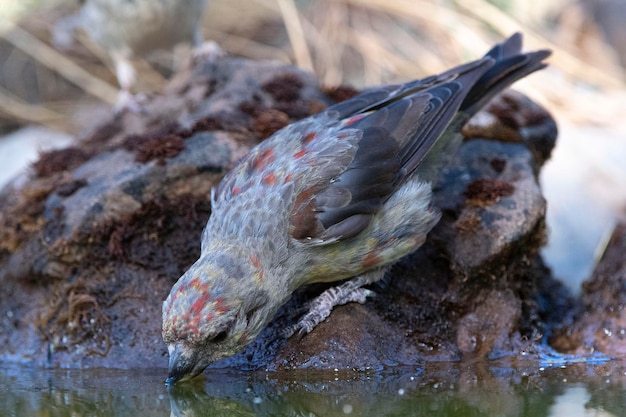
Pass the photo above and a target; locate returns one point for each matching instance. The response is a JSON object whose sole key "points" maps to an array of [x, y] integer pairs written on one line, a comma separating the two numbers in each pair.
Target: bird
{"points": [[128, 28], [338, 196]]}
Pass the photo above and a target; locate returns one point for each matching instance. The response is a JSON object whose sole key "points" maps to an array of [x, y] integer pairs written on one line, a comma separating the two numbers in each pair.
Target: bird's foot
{"points": [[207, 51], [126, 101], [321, 307]]}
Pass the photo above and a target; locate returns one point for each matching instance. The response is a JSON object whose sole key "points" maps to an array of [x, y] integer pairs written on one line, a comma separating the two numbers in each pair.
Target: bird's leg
{"points": [[207, 51], [126, 77], [348, 292]]}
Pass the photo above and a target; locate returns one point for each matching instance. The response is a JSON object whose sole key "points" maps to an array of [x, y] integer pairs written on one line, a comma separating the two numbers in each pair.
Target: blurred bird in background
{"points": [[128, 28]]}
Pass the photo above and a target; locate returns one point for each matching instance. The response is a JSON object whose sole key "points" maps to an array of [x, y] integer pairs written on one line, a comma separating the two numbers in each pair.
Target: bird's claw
{"points": [[208, 51], [302, 328], [126, 101], [321, 307]]}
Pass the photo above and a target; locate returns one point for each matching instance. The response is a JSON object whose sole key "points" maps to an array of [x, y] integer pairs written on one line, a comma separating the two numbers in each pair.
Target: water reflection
{"points": [[27, 392], [437, 389], [449, 391], [577, 401]]}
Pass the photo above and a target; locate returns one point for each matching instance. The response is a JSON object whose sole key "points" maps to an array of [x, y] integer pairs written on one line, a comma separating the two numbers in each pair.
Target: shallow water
{"points": [[484, 389]]}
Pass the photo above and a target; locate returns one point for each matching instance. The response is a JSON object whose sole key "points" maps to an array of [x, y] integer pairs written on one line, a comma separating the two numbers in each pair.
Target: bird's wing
{"points": [[390, 131], [325, 177]]}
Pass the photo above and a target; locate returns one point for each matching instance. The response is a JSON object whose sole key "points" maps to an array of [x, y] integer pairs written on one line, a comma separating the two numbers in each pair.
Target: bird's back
{"points": [[324, 178]]}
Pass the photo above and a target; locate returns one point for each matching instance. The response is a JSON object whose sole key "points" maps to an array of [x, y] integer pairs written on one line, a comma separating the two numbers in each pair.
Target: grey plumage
{"points": [[342, 194]]}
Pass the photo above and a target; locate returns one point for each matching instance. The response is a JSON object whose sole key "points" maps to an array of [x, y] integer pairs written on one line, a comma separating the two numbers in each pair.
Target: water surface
{"points": [[460, 390]]}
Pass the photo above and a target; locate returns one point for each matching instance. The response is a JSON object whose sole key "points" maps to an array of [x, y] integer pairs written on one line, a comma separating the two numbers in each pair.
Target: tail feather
{"points": [[406, 131], [511, 64]]}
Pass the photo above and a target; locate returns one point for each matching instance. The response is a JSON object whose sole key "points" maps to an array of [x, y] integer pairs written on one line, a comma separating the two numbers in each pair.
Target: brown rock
{"points": [[600, 325]]}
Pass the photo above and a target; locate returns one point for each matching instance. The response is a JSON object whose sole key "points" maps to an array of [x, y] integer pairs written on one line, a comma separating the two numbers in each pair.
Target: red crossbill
{"points": [[339, 195]]}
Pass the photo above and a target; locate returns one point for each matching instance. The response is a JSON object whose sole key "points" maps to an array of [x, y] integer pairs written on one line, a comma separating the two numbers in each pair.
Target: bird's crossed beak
{"points": [[181, 365]]}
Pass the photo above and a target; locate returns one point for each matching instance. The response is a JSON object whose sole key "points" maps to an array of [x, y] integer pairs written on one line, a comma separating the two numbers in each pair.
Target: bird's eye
{"points": [[220, 337]]}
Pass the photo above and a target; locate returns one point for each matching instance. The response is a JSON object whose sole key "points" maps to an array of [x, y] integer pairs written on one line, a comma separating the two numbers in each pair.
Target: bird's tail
{"points": [[510, 65]]}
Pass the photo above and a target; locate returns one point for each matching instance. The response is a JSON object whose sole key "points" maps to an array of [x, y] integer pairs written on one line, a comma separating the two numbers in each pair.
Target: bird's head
{"points": [[214, 310]]}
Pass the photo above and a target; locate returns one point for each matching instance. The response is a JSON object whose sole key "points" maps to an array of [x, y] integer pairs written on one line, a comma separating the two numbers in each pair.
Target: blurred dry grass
{"points": [[360, 42]]}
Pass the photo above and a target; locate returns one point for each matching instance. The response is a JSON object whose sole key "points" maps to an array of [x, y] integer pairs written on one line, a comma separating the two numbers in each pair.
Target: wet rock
{"points": [[92, 242], [493, 201], [513, 117], [600, 324]]}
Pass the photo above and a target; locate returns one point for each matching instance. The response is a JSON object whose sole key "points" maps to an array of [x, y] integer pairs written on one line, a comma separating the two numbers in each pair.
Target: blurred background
{"points": [[50, 95]]}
